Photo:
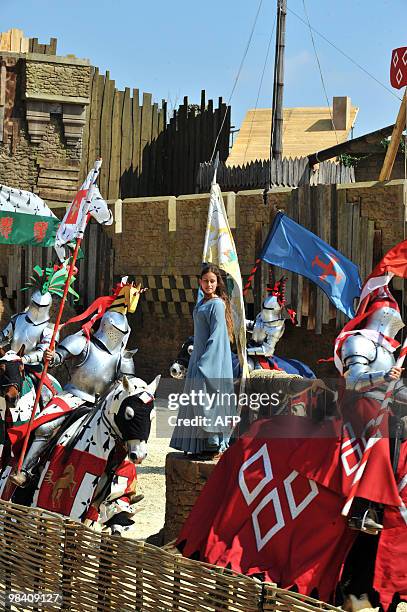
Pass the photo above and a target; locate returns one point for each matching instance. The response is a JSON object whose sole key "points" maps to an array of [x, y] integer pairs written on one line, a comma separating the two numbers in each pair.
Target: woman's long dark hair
{"points": [[222, 293]]}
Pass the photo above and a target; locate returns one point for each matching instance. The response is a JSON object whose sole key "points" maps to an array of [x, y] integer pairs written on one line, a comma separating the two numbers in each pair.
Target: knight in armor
{"points": [[269, 325], [30, 328], [368, 365], [97, 360]]}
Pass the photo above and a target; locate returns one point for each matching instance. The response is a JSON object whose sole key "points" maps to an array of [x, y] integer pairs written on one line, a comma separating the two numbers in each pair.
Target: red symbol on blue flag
{"points": [[328, 268]]}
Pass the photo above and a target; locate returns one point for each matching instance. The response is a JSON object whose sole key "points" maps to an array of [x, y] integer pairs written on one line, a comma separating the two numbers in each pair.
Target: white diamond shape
{"points": [[261, 541], [348, 429], [399, 76], [372, 424], [295, 508], [351, 451], [395, 59], [268, 474], [404, 58]]}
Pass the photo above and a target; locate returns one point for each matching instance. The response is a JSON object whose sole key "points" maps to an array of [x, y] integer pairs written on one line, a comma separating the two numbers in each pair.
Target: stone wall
{"points": [[57, 78], [184, 480], [368, 168], [43, 104], [161, 245], [162, 240]]}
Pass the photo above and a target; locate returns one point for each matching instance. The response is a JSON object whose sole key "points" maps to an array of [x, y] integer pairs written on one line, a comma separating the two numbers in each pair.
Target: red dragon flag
{"points": [[87, 201], [398, 68], [25, 218]]}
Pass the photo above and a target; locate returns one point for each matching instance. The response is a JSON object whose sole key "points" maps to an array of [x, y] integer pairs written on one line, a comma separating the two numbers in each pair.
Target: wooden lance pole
{"points": [[71, 269]]}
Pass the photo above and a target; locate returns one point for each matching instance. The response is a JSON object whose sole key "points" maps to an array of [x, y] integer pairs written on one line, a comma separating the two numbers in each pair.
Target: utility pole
{"points": [[276, 140]]}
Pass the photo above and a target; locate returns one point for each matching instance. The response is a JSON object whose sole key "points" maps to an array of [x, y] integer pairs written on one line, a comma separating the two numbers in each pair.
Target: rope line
{"points": [[237, 78], [346, 55], [320, 71], [260, 86]]}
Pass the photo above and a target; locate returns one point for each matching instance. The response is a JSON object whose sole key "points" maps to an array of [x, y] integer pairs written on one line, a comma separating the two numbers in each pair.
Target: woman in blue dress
{"points": [[204, 424]]}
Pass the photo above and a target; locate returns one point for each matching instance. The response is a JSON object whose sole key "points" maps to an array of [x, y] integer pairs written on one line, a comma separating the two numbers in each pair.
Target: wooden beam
{"points": [[362, 144], [394, 142]]}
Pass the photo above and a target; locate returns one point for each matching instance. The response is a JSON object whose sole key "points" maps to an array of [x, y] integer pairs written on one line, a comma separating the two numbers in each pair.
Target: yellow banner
{"points": [[219, 249]]}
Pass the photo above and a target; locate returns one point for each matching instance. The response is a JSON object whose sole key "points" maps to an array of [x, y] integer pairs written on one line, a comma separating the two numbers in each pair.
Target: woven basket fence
{"points": [[51, 563]]}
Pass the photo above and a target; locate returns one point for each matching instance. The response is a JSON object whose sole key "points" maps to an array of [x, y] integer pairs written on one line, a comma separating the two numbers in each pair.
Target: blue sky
{"points": [[173, 49]]}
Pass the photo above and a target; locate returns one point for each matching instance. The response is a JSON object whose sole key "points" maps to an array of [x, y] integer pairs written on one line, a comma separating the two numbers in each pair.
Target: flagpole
{"points": [[71, 269], [372, 438]]}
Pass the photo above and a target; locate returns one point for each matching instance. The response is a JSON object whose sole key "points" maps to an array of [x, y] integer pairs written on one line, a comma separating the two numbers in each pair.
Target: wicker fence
{"points": [[46, 557]]}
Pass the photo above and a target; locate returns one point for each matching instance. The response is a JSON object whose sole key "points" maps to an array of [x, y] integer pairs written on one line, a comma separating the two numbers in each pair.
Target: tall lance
{"points": [[372, 438], [79, 236]]}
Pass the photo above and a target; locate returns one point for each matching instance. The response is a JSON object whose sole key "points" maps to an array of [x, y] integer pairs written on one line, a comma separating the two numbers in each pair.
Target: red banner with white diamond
{"points": [[398, 68], [270, 519]]}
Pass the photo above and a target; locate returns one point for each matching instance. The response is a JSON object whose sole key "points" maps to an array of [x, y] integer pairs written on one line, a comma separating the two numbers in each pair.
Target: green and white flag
{"points": [[25, 218]]}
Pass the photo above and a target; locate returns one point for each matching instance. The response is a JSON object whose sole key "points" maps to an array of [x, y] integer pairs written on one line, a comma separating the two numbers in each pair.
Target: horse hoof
{"points": [[134, 499], [356, 604], [18, 478]]}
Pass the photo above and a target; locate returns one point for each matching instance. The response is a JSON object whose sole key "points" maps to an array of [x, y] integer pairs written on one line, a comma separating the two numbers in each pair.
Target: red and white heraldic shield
{"points": [[398, 68]]}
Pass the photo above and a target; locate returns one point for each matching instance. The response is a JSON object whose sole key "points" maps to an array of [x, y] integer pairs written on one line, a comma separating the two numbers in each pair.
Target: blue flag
{"points": [[293, 247]]}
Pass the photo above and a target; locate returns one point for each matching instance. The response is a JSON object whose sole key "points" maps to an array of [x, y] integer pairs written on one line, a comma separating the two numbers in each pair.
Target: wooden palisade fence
{"points": [[144, 154], [14, 40], [286, 173], [75, 569]]}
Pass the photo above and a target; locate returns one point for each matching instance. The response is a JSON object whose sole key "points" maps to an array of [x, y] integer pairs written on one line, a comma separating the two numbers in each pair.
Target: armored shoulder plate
{"points": [[357, 345], [74, 344]]}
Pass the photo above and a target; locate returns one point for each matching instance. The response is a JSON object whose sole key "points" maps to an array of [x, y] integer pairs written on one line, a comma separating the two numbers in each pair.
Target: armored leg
{"points": [[41, 439]]}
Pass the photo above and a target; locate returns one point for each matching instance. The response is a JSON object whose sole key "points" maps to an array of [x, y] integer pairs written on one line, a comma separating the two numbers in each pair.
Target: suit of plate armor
{"points": [[267, 328], [366, 366], [97, 364], [367, 362], [30, 328]]}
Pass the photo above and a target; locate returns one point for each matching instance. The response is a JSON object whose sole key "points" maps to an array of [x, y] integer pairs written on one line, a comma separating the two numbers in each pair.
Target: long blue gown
{"points": [[210, 375]]}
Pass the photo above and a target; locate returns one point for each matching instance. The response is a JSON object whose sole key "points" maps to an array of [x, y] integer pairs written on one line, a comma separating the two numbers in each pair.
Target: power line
{"points": [[237, 78], [346, 55], [260, 86], [320, 70]]}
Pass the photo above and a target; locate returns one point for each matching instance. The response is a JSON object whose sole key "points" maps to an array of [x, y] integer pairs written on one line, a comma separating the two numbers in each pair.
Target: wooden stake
{"points": [[394, 144]]}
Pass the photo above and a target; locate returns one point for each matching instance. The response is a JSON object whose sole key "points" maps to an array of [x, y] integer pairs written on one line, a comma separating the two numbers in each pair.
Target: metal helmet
{"points": [[385, 320], [271, 309], [38, 310], [113, 330]]}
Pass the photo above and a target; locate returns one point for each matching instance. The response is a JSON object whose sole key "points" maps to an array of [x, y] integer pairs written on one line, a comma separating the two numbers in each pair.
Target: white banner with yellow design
{"points": [[219, 249]]}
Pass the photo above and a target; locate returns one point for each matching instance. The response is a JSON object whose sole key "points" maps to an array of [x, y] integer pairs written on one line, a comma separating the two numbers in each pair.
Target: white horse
{"points": [[80, 475]]}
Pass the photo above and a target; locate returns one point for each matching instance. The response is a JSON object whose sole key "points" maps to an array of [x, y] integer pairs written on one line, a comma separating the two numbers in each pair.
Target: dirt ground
{"points": [[149, 520]]}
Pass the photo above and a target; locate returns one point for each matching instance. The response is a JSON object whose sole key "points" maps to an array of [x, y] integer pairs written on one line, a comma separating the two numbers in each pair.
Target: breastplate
{"points": [[268, 334], [26, 333], [94, 370], [383, 361]]}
